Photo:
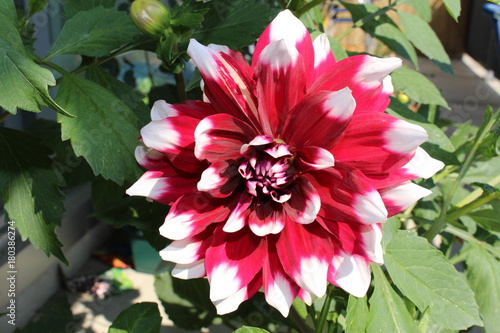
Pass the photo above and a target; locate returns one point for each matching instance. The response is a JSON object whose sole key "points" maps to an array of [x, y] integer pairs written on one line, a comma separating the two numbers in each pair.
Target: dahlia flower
{"points": [[281, 177]]}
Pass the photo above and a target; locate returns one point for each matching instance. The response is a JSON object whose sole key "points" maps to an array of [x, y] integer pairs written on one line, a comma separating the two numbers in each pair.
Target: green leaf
{"points": [[483, 275], [487, 219], [29, 187], [94, 33], [186, 302], [438, 145], [73, 7], [423, 9], [249, 329], [132, 97], [454, 7], [234, 23], [417, 87], [139, 318], [357, 315], [430, 281], [36, 6], [105, 131], [384, 29], [388, 312], [424, 38], [490, 145], [24, 84], [74, 170], [9, 11]]}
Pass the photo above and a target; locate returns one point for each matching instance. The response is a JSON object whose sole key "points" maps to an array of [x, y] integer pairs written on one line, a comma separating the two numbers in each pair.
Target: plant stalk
{"points": [[320, 324]]}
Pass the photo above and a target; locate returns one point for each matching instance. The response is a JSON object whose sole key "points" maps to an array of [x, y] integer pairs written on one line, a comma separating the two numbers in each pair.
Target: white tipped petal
{"points": [[402, 196], [148, 186], [189, 271], [312, 276], [280, 295], [341, 104], [352, 273], [404, 137], [231, 303], [372, 239], [224, 282], [162, 110], [375, 70], [160, 135], [370, 208], [177, 227], [183, 251], [279, 54], [423, 165]]}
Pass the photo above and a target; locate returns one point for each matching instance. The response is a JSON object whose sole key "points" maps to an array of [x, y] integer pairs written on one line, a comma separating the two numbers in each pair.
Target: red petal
{"points": [[220, 137], [232, 261], [267, 217], [313, 158], [226, 82], [290, 29], [281, 84], [304, 203], [279, 289], [347, 196], [378, 143], [366, 76], [161, 187], [191, 214], [174, 137], [323, 57], [232, 302], [305, 251], [194, 109], [319, 119], [220, 179]]}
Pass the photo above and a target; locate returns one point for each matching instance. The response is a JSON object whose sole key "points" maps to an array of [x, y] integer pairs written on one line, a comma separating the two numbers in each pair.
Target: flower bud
{"points": [[150, 16]]}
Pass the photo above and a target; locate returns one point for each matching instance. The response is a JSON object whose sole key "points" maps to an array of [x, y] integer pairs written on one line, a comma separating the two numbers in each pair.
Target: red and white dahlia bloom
{"points": [[281, 177]]}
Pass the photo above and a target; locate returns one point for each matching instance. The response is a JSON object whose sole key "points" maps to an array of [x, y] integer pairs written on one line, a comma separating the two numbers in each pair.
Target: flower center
{"points": [[268, 169]]}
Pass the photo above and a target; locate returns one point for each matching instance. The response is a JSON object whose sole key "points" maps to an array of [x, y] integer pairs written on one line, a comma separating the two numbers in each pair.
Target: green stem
{"points": [[282, 3], [455, 214], [442, 219], [443, 174], [308, 6], [364, 20], [477, 193], [431, 116], [470, 238], [297, 319], [4, 116], [320, 324]]}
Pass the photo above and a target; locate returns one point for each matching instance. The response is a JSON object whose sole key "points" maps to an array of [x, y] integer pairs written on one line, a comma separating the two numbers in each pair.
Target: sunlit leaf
{"points": [[94, 33], [24, 84], [424, 38], [454, 7], [357, 315], [388, 312], [417, 87], [430, 281], [483, 274], [105, 130]]}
